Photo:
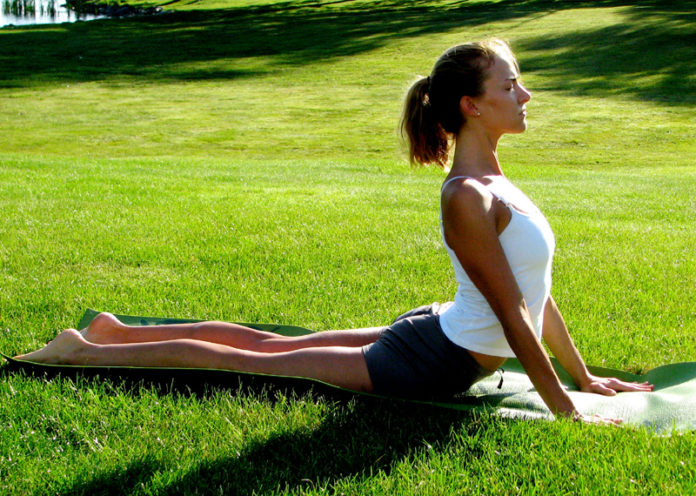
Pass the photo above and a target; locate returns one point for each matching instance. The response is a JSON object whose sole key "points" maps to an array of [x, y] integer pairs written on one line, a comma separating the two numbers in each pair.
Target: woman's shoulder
{"points": [[464, 190], [466, 198]]}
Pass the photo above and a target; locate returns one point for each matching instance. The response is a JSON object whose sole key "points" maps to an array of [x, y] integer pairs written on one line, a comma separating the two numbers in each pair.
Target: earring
{"points": [[478, 114]]}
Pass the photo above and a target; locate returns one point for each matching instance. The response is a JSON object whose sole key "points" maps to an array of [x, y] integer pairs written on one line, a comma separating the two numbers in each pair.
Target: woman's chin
{"points": [[519, 129]]}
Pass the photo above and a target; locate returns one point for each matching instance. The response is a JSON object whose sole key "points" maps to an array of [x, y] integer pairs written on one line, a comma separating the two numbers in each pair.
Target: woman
{"points": [[501, 249]]}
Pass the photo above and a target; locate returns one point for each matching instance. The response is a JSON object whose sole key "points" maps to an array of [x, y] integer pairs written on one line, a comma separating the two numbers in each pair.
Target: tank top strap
{"points": [[452, 179], [487, 186], [499, 195]]}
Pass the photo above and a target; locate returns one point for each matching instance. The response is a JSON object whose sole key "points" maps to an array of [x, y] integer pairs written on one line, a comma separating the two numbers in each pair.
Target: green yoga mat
{"points": [[671, 407]]}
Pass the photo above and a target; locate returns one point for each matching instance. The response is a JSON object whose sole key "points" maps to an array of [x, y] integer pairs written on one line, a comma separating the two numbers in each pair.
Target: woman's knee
{"points": [[209, 327], [237, 336]]}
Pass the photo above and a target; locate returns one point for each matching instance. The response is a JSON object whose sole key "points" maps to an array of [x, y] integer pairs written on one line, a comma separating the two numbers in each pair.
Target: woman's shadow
{"points": [[357, 435], [356, 438], [359, 439]]}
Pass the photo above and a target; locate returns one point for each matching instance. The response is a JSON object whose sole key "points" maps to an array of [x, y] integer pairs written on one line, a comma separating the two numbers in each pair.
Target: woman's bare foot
{"points": [[65, 349], [104, 329]]}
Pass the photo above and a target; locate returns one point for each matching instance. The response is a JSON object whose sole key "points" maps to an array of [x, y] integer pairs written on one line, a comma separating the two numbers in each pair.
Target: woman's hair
{"points": [[432, 116]]}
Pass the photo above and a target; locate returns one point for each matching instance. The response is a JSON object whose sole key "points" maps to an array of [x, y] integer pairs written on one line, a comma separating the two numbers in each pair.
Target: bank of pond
{"points": [[28, 12]]}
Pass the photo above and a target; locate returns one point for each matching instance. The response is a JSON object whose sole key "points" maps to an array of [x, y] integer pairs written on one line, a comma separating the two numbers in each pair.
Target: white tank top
{"points": [[528, 244]]}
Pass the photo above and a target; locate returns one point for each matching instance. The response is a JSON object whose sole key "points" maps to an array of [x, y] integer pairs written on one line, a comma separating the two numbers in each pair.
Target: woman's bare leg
{"points": [[339, 365], [107, 329]]}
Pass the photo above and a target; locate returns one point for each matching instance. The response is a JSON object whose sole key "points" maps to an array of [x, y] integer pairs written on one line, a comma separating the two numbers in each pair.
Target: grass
{"points": [[238, 160]]}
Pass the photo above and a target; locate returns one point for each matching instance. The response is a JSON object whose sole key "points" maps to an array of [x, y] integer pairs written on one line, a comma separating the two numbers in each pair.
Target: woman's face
{"points": [[502, 105]]}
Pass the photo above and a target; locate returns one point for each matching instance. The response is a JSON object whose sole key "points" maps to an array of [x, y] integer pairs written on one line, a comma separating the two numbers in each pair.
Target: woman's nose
{"points": [[525, 95]]}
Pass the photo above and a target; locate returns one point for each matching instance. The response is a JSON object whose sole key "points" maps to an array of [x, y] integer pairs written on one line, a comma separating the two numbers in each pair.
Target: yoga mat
{"points": [[671, 407]]}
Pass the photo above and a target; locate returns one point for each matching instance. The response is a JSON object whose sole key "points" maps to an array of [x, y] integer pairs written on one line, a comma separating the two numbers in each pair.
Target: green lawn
{"points": [[239, 160]]}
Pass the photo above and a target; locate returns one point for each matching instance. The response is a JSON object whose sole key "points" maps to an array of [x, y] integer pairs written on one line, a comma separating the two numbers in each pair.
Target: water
{"points": [[23, 12]]}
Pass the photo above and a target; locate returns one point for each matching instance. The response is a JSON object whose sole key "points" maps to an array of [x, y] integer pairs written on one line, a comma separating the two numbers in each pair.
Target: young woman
{"points": [[501, 248]]}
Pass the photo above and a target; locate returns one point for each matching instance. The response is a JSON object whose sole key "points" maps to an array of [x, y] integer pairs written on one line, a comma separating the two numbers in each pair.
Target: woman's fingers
{"points": [[599, 420], [618, 385], [609, 386], [600, 388]]}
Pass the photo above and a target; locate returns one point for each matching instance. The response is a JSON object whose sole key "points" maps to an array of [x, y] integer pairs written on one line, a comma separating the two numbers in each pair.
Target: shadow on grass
{"points": [[358, 437], [362, 439], [222, 44], [356, 441], [125, 480], [651, 57]]}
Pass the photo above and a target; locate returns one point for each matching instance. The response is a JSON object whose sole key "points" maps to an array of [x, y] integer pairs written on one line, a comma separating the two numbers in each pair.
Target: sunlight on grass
{"points": [[214, 85]]}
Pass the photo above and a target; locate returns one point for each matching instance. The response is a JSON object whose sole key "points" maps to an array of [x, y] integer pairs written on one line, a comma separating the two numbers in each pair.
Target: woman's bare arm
{"points": [[557, 337]]}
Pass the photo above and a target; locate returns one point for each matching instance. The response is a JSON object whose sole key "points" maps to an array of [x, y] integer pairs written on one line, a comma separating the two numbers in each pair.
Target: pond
{"points": [[23, 12]]}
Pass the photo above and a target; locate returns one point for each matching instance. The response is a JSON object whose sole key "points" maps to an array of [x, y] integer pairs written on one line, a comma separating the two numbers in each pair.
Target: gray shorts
{"points": [[414, 359]]}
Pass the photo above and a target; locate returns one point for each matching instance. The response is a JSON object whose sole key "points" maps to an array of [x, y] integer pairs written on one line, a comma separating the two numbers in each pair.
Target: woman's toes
{"points": [[64, 349]]}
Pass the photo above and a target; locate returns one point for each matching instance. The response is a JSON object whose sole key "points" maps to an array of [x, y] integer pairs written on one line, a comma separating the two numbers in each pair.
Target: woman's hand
{"points": [[609, 386], [597, 419]]}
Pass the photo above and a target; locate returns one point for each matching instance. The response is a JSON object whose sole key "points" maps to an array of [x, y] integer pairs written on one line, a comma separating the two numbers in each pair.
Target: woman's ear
{"points": [[468, 107]]}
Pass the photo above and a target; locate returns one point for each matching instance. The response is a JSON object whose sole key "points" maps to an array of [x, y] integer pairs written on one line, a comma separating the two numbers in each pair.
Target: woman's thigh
{"points": [[338, 365]]}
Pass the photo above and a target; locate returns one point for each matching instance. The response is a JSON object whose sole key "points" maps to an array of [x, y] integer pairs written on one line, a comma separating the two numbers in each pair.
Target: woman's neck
{"points": [[475, 155]]}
